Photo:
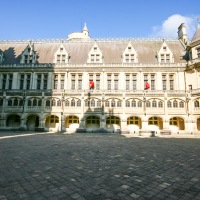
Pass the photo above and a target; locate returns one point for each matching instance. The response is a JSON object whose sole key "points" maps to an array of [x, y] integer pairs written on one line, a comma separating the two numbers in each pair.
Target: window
{"points": [[92, 120], [73, 103], [133, 103], [99, 103], [164, 82], [196, 104], [133, 120], [59, 103], [175, 104], [67, 103], [113, 103], [153, 121], [171, 82], [148, 104], [107, 104], [198, 53], [53, 102], [169, 104], [79, 103], [160, 104], [119, 104], [55, 82], [127, 104], [173, 121], [92, 103], [154, 103], [181, 104], [47, 103], [139, 104]]}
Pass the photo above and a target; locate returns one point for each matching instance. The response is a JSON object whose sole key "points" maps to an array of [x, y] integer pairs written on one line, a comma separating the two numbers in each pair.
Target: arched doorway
{"points": [[92, 122], [198, 124], [72, 122], [113, 122], [13, 121], [155, 123], [177, 123], [134, 123], [52, 122], [32, 122]]}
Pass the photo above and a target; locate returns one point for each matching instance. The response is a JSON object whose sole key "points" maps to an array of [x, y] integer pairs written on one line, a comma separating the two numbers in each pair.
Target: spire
{"points": [[85, 30], [197, 34]]}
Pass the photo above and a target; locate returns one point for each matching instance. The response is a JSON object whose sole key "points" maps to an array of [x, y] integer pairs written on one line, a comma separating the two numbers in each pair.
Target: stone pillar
{"points": [[22, 123], [15, 81], [49, 84]]}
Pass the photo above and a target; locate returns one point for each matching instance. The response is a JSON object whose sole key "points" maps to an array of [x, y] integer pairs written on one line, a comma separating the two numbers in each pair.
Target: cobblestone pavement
{"points": [[98, 167]]}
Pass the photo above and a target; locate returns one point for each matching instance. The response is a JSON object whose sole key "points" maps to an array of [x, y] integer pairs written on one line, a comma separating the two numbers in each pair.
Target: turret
{"points": [[182, 34]]}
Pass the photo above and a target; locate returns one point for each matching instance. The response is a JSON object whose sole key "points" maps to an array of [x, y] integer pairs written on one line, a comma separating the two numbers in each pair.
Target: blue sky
{"points": [[45, 19]]}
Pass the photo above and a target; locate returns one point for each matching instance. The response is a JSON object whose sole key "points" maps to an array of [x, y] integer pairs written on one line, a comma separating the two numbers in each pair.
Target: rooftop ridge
{"points": [[90, 40]]}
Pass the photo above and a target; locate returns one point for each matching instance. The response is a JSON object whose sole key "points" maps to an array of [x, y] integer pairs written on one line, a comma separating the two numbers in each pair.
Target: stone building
{"points": [[126, 84]]}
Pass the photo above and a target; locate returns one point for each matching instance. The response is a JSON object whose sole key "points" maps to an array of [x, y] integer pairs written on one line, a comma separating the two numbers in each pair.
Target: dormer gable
{"points": [[29, 55], [61, 55], [129, 55], [1, 56], [95, 55], [165, 55]]}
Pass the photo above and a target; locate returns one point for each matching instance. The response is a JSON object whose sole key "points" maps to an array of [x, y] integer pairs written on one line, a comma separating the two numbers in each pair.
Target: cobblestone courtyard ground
{"points": [[98, 166]]}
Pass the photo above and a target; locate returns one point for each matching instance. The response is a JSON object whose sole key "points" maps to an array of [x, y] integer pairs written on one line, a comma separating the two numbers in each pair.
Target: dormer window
{"points": [[29, 55], [95, 55], [129, 55], [165, 55], [61, 55]]}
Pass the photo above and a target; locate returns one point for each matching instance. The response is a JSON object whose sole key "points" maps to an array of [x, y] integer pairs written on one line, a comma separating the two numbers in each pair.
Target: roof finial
{"points": [[85, 30]]}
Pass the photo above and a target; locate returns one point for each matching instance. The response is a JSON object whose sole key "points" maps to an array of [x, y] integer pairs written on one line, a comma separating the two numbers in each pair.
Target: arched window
{"points": [[113, 103], [148, 104], [59, 103], [29, 102], [139, 104], [67, 103], [181, 104], [92, 103], [86, 103], [175, 104], [9, 102], [15, 102], [196, 104], [47, 103], [169, 104], [154, 103], [34, 102], [99, 103], [40, 102], [160, 104], [127, 104], [73, 103], [107, 104], [53, 102], [21, 102], [119, 104], [78, 103], [133, 103]]}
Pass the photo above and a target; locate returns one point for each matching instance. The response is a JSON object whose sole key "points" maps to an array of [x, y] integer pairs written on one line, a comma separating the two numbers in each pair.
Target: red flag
{"points": [[91, 85], [147, 86]]}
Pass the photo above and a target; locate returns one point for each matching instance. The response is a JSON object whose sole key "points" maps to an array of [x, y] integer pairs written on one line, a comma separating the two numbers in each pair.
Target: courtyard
{"points": [[49, 166]]}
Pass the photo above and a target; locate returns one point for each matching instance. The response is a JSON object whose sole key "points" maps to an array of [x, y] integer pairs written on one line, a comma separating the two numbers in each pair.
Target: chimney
{"points": [[182, 34]]}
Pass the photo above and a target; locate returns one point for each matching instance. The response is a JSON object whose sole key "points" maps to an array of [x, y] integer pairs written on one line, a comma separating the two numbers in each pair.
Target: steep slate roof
{"points": [[196, 35], [112, 50]]}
